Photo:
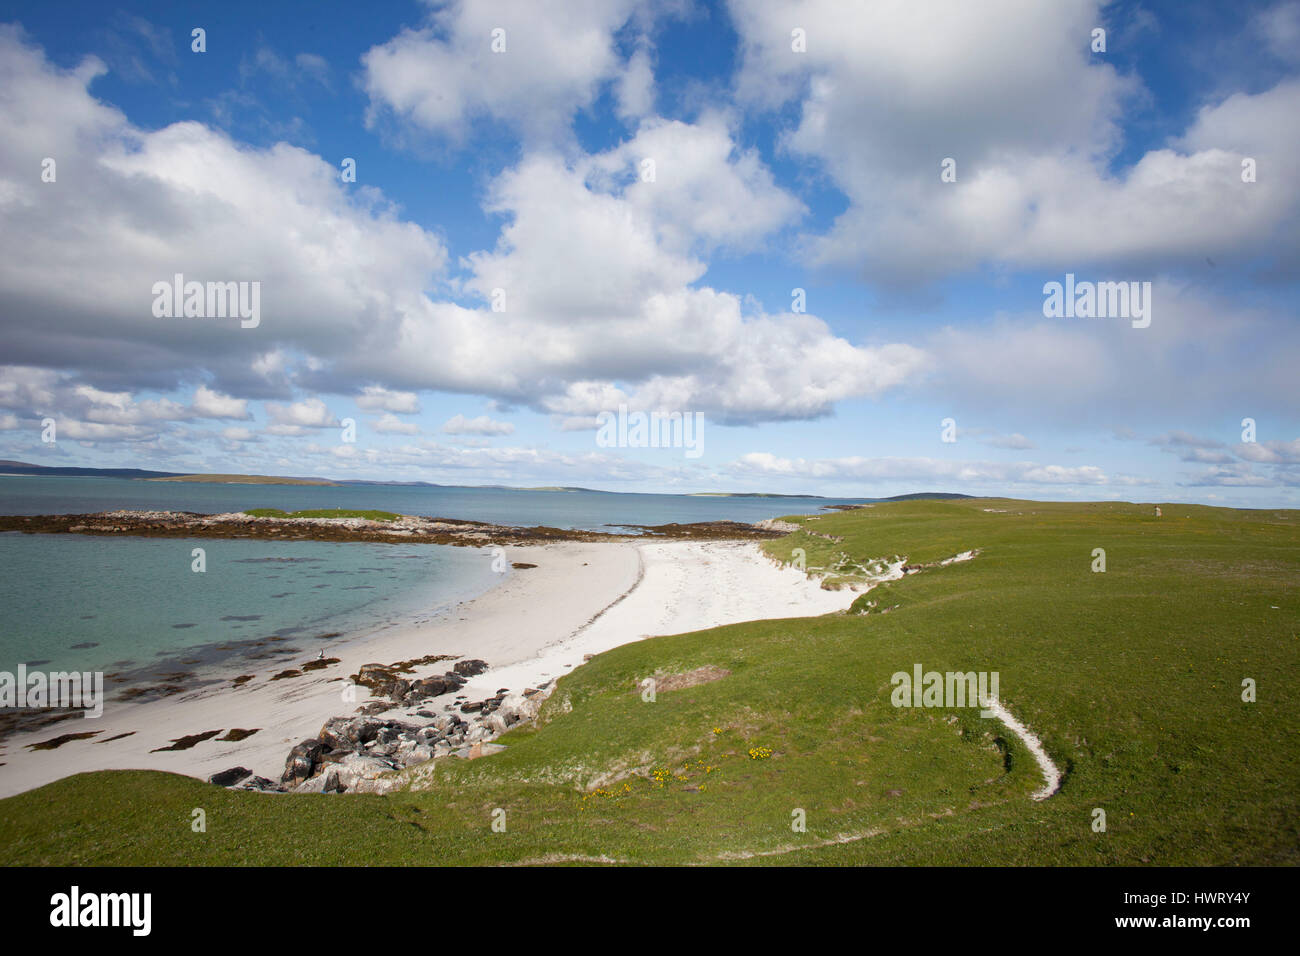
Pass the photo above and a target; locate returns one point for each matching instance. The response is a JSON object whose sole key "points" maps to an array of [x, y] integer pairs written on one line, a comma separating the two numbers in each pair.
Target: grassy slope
{"points": [[1131, 678]]}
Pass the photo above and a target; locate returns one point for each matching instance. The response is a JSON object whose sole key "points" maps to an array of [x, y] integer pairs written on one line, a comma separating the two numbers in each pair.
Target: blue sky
{"points": [[775, 169]]}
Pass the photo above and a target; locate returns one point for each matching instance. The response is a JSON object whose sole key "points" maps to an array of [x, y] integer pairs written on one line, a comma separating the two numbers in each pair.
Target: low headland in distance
{"points": [[10, 467], [1145, 659]]}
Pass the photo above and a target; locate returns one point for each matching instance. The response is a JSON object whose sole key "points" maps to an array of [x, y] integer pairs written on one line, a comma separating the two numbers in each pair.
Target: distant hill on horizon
{"points": [[10, 467], [246, 479], [929, 496]]}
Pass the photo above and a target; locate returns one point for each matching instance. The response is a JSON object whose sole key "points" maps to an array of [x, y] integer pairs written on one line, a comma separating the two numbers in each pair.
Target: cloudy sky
{"points": [[825, 227]]}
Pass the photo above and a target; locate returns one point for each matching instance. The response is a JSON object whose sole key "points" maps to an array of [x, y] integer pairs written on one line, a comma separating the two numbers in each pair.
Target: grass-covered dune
{"points": [[1132, 678]]}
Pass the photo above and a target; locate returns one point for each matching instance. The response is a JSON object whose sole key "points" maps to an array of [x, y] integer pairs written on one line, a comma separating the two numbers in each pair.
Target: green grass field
{"points": [[323, 513], [1132, 678]]}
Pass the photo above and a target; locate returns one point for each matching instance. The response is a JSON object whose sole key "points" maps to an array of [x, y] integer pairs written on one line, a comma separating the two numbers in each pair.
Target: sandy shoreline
{"points": [[537, 624]]}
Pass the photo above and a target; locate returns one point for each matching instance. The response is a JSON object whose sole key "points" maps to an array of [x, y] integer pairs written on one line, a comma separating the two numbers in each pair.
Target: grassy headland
{"points": [[323, 513], [1132, 678]]}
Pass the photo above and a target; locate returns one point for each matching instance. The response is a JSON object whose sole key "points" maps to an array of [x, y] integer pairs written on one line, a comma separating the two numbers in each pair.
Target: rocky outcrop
{"points": [[360, 753], [470, 668], [385, 680], [328, 782], [302, 761]]}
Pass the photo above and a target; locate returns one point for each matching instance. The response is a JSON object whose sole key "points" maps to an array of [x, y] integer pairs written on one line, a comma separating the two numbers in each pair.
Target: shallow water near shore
{"points": [[135, 607]]}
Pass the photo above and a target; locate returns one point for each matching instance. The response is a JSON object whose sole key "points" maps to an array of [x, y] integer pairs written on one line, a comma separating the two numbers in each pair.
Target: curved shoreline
{"points": [[499, 625], [581, 598]]}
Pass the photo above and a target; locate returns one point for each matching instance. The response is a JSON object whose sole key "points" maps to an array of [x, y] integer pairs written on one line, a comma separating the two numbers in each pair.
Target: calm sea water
{"points": [[134, 606]]}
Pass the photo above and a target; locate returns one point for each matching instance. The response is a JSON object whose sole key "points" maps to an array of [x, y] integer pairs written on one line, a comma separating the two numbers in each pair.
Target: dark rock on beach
{"points": [[228, 778], [432, 687], [349, 733], [260, 784], [302, 761]]}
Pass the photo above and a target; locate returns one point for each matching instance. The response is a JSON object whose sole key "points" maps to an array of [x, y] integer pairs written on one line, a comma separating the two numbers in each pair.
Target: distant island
{"points": [[247, 480], [8, 467], [746, 494], [915, 496]]}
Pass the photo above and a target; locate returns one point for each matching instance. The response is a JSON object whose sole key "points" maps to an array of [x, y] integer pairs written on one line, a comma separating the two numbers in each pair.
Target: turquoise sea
{"points": [[137, 608]]}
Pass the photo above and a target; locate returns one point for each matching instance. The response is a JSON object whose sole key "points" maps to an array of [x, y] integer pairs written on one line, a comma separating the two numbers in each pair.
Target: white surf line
{"points": [[1051, 774]]}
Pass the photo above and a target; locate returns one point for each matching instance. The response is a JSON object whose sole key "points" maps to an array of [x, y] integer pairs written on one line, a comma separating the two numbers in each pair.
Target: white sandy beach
{"points": [[538, 624]]}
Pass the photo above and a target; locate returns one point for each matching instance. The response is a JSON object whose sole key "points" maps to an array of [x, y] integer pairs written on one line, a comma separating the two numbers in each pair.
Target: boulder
{"points": [[433, 687], [354, 768], [470, 668], [382, 681], [321, 783], [228, 778], [315, 785], [349, 733], [302, 761], [372, 674], [421, 753], [517, 707]]}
